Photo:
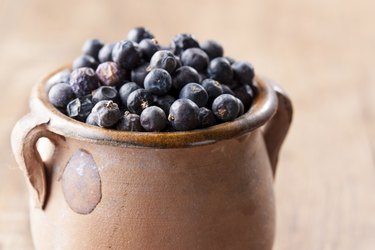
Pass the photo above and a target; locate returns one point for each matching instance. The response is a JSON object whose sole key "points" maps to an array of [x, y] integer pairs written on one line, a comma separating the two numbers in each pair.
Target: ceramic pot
{"points": [[203, 189]]}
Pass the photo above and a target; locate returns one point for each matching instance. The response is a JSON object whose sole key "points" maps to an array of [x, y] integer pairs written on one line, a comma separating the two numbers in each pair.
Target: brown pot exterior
{"points": [[170, 193]]}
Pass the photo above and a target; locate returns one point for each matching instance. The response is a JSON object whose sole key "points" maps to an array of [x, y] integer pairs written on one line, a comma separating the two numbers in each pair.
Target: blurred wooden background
{"points": [[322, 52]]}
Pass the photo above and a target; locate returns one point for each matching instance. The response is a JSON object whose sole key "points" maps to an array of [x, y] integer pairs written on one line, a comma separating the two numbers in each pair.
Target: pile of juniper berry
{"points": [[138, 85]]}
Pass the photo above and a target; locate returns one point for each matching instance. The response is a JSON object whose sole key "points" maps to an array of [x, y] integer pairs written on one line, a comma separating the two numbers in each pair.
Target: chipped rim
{"points": [[263, 108]]}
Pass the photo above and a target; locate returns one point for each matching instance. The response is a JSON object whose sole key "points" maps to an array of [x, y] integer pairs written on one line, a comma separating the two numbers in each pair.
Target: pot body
{"points": [[203, 189], [216, 196]]}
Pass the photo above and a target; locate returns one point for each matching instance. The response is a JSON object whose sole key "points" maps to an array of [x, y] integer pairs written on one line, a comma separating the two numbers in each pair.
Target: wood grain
{"points": [[320, 51]]}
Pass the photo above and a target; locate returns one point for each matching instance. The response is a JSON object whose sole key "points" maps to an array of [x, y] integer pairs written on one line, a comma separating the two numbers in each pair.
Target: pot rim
{"points": [[263, 108]]}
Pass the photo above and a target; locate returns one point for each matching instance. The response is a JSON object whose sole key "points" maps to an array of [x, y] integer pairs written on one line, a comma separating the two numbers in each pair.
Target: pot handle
{"points": [[24, 137], [276, 129]]}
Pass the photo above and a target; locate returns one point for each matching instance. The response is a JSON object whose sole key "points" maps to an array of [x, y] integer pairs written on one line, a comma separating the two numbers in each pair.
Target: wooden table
{"points": [[322, 52]]}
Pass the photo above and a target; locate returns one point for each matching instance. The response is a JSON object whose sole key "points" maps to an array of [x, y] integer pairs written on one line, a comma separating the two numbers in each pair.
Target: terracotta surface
{"points": [[124, 190], [321, 51]]}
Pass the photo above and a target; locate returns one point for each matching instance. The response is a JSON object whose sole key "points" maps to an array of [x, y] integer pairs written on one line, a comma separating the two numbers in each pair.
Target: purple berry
{"points": [[109, 73], [83, 81]]}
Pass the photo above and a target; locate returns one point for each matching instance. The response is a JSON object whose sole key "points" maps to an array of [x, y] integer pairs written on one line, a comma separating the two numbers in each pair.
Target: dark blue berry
{"points": [[126, 54], [163, 59], [138, 74], [122, 82], [233, 84], [227, 90], [59, 77], [138, 34], [179, 63], [91, 119], [158, 81], [229, 59], [206, 117], [184, 115], [196, 58], [110, 73], [92, 47], [84, 61], [246, 94], [213, 49], [60, 95], [80, 108], [194, 92], [169, 128], [220, 70], [107, 113], [83, 81], [148, 48], [241, 106], [130, 122], [199, 75], [105, 93], [202, 76], [164, 102], [213, 88], [183, 76], [105, 53], [226, 107], [243, 72], [138, 100], [153, 119], [182, 42], [125, 91]]}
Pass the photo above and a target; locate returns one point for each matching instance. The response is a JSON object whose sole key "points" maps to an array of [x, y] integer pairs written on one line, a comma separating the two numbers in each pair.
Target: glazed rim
{"points": [[263, 108]]}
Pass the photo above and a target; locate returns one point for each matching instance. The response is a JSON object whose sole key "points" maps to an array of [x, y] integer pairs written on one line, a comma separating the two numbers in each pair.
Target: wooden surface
{"points": [[322, 52]]}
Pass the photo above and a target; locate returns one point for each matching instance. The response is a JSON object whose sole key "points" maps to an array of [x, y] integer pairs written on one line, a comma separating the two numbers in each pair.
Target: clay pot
{"points": [[204, 189]]}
